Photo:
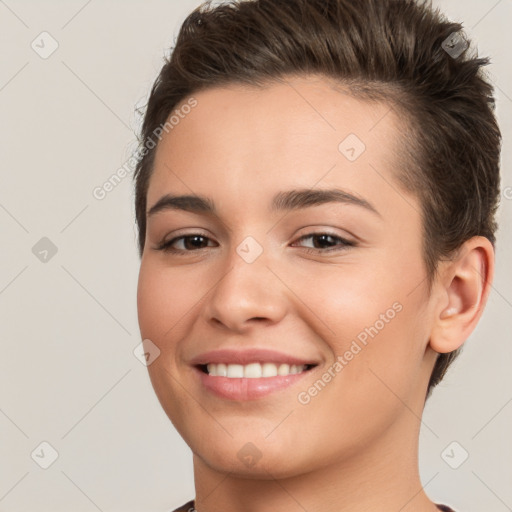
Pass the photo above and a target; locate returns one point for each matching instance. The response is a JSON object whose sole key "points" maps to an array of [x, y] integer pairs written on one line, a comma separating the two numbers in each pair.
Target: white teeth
{"points": [[235, 370], [269, 370], [284, 369], [253, 370]]}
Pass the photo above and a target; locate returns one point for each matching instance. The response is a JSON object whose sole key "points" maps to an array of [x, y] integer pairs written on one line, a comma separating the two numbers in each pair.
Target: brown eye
{"points": [[326, 242], [185, 243]]}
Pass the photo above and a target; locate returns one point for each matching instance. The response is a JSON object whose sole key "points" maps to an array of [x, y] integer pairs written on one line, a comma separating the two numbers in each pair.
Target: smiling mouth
{"points": [[253, 370]]}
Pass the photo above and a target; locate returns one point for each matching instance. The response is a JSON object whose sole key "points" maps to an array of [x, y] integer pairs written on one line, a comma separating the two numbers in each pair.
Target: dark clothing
{"points": [[189, 507]]}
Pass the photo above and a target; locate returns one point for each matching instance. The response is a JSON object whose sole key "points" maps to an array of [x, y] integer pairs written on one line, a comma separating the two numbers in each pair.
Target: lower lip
{"points": [[248, 389]]}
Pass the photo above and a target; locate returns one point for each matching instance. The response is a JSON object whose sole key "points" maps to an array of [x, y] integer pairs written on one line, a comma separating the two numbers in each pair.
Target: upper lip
{"points": [[246, 356]]}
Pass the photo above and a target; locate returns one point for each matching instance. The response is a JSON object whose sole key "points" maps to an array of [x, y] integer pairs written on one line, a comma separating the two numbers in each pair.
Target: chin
{"points": [[270, 466]]}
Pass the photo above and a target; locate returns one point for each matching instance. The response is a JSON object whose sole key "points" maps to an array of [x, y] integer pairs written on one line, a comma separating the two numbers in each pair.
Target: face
{"points": [[256, 277]]}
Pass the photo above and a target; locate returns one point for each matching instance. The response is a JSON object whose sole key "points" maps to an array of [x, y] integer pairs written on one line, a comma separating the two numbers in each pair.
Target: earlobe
{"points": [[465, 286]]}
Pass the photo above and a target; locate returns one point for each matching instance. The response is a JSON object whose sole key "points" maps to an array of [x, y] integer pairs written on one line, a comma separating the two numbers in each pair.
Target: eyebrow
{"points": [[282, 201]]}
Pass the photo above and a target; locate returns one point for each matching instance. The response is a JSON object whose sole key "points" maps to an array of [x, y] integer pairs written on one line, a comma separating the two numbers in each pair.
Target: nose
{"points": [[246, 294]]}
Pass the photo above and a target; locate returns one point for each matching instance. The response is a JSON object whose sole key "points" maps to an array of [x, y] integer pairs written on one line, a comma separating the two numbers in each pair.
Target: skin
{"points": [[354, 446]]}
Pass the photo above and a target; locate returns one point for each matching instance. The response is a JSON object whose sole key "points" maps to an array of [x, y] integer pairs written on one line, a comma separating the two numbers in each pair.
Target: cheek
{"points": [[152, 302], [163, 300], [373, 318], [376, 351]]}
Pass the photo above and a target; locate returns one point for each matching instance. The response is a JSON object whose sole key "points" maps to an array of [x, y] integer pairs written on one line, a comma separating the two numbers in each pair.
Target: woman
{"points": [[315, 195]]}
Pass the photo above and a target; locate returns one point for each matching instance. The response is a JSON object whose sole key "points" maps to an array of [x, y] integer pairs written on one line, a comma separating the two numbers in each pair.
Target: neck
{"points": [[383, 477]]}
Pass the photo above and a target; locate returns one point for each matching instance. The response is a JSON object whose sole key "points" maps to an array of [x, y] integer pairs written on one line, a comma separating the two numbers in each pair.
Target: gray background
{"points": [[68, 374]]}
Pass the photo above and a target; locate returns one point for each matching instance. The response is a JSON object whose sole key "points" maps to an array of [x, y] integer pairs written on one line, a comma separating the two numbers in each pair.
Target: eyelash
{"points": [[167, 246]]}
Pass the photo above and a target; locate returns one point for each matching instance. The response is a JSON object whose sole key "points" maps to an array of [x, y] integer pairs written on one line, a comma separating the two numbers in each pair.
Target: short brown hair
{"points": [[384, 50]]}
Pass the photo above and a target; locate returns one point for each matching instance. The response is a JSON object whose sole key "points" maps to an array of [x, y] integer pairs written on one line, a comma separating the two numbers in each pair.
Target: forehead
{"points": [[301, 132]]}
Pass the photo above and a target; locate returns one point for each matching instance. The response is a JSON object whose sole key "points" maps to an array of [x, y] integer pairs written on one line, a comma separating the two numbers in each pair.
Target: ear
{"points": [[465, 284]]}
